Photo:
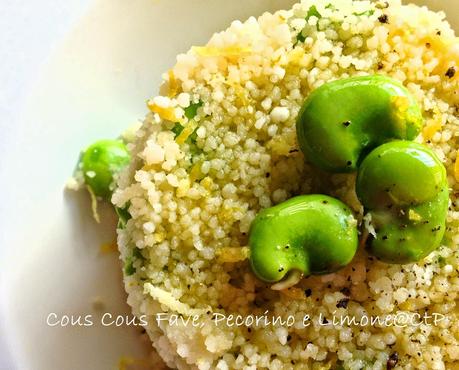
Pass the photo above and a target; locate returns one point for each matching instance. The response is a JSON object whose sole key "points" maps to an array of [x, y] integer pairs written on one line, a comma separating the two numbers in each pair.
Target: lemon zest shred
{"points": [[414, 216], [431, 129], [173, 84], [293, 293], [207, 183], [167, 299], [164, 113], [182, 189], [186, 132], [295, 56], [195, 172], [228, 51], [456, 167], [233, 254], [432, 126], [107, 248], [126, 363]]}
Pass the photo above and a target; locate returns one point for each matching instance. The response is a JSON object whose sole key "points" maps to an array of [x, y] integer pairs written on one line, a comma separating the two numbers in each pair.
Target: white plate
{"points": [[92, 87]]}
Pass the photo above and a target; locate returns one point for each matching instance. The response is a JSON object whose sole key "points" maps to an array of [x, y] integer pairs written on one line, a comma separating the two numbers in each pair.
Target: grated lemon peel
{"points": [[165, 113], [186, 132], [107, 248], [228, 51], [167, 299], [456, 167], [233, 254]]}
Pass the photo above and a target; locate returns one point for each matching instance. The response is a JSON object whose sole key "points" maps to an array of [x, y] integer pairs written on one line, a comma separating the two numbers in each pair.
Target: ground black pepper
{"points": [[450, 72], [383, 18], [342, 303], [392, 361]]}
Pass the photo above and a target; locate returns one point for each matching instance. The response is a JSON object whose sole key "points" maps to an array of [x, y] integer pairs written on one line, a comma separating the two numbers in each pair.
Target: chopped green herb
{"points": [[311, 12], [129, 268], [191, 140], [137, 253], [177, 129], [123, 215], [190, 113], [367, 13], [300, 38], [192, 110], [442, 261]]}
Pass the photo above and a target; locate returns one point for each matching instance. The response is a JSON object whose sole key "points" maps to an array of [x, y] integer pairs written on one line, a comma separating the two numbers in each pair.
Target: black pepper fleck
{"points": [[347, 123], [308, 292], [450, 72], [384, 237], [342, 303], [383, 18], [392, 361]]}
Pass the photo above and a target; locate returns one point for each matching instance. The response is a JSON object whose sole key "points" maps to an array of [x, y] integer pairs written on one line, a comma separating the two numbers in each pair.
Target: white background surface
{"points": [[71, 72], [29, 31]]}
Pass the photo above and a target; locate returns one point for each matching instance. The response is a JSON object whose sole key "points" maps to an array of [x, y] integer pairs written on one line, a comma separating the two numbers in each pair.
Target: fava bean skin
{"points": [[100, 162], [343, 120], [313, 234], [403, 186]]}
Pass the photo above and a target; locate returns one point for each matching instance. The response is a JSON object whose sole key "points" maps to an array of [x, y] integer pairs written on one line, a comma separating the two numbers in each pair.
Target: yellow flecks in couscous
{"points": [[107, 248], [229, 51], [233, 254], [187, 131]]}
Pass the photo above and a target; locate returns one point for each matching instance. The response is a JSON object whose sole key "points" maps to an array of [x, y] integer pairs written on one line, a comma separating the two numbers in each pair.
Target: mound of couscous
{"points": [[220, 145]]}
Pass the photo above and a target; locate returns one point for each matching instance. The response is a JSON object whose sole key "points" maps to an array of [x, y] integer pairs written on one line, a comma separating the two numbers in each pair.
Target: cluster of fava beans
{"points": [[364, 124]]}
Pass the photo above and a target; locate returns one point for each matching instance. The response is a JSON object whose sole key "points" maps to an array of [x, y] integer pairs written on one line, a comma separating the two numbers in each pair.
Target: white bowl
{"points": [[93, 86]]}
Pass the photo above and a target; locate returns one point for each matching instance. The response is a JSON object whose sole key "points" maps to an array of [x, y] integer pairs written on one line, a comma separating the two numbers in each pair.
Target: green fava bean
{"points": [[100, 162], [404, 188], [311, 234], [341, 121]]}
